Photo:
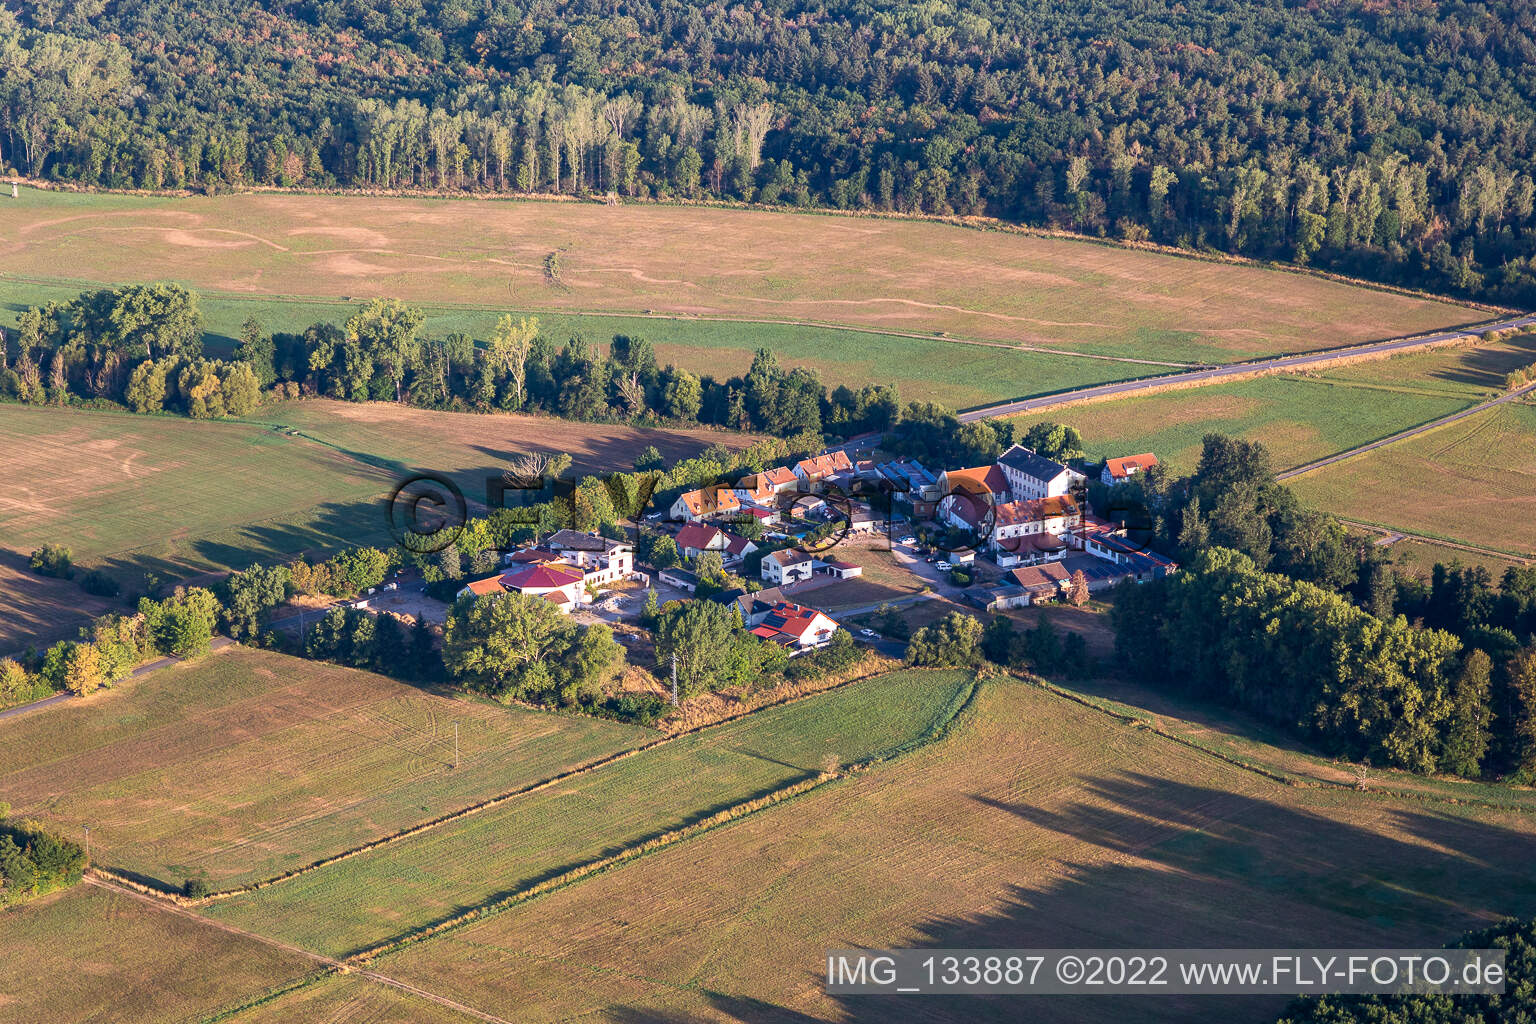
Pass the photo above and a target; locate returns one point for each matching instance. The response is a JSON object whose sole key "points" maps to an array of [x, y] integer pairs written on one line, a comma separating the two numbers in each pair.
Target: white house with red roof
{"points": [[560, 583], [705, 503], [1118, 471], [1029, 532], [795, 626], [763, 489], [788, 566], [820, 467], [696, 538]]}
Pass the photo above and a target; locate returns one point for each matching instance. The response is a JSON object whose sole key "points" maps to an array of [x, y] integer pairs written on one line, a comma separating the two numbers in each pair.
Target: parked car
{"points": [[909, 540], [943, 566], [869, 634], [391, 586]]}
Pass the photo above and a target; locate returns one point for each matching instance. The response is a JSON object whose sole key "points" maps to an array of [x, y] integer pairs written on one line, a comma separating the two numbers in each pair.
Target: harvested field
{"points": [[370, 899], [1298, 418], [1037, 822], [1472, 481], [863, 272], [178, 497], [91, 954], [249, 763]]}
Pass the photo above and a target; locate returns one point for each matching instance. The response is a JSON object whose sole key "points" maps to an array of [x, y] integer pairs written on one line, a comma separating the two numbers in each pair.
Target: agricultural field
{"points": [[372, 898], [93, 954], [1472, 481], [1036, 822], [173, 496], [1299, 418], [874, 274], [250, 763]]}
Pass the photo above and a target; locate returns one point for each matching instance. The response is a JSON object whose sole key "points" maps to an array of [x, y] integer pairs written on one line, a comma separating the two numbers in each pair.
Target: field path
{"points": [[218, 643], [287, 947], [1403, 435], [1215, 374]]}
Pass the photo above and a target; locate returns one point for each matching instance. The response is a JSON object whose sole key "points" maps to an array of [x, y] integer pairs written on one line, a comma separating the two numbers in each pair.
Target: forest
{"points": [[1389, 140]]}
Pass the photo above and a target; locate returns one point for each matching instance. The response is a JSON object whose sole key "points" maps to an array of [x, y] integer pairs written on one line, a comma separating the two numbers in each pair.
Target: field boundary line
{"points": [[489, 803], [1403, 435], [1229, 373], [1444, 542], [288, 947], [937, 729], [1281, 777]]}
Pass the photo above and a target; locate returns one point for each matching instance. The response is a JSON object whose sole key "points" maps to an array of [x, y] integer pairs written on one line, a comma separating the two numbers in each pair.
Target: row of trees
{"points": [[141, 346], [1303, 657], [1390, 143], [181, 625]]}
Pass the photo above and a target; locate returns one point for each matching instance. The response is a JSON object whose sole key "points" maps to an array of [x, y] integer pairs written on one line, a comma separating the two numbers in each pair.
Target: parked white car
{"points": [[869, 634], [943, 566], [908, 540]]}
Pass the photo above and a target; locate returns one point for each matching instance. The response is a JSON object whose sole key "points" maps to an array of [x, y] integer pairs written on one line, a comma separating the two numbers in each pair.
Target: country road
{"points": [[1211, 375], [218, 643], [1410, 432]]}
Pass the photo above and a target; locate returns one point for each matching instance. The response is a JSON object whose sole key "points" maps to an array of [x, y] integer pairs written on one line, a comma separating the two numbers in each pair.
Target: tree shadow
{"points": [[1170, 864]]}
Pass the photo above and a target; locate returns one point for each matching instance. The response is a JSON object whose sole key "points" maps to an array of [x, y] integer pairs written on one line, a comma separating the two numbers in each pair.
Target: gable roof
{"points": [[705, 502], [490, 585], [977, 480], [779, 476], [736, 544], [1124, 466], [1025, 461], [789, 556], [791, 619], [825, 465], [575, 540], [696, 535], [1050, 575], [1035, 510]]}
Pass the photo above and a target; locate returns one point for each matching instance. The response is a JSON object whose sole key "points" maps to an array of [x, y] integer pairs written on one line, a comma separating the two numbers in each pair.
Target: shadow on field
{"points": [[1487, 368], [1210, 868]]}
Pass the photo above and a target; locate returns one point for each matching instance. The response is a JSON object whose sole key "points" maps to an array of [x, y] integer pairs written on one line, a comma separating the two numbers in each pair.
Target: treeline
{"points": [[1394, 143], [1232, 500], [140, 346], [1305, 658], [1516, 1005], [181, 625], [34, 860]]}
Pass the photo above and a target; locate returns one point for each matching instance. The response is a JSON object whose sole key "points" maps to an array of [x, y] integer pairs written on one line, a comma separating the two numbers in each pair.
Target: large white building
{"points": [[1032, 476]]}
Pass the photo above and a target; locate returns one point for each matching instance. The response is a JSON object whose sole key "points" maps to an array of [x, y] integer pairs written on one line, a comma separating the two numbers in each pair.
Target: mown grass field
{"points": [[366, 900], [250, 763], [577, 257], [1299, 418], [1472, 481], [178, 497], [1036, 822], [94, 955]]}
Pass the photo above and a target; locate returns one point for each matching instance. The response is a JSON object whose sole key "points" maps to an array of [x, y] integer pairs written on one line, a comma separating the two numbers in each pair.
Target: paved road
{"points": [[1211, 375], [1411, 432], [218, 643]]}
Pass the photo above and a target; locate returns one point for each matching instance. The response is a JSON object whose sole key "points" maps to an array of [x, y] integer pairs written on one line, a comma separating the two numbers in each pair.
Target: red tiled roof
{"points": [[491, 585], [825, 465], [977, 480], [1034, 511], [696, 535], [543, 576], [704, 502], [1123, 467], [779, 476]]}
